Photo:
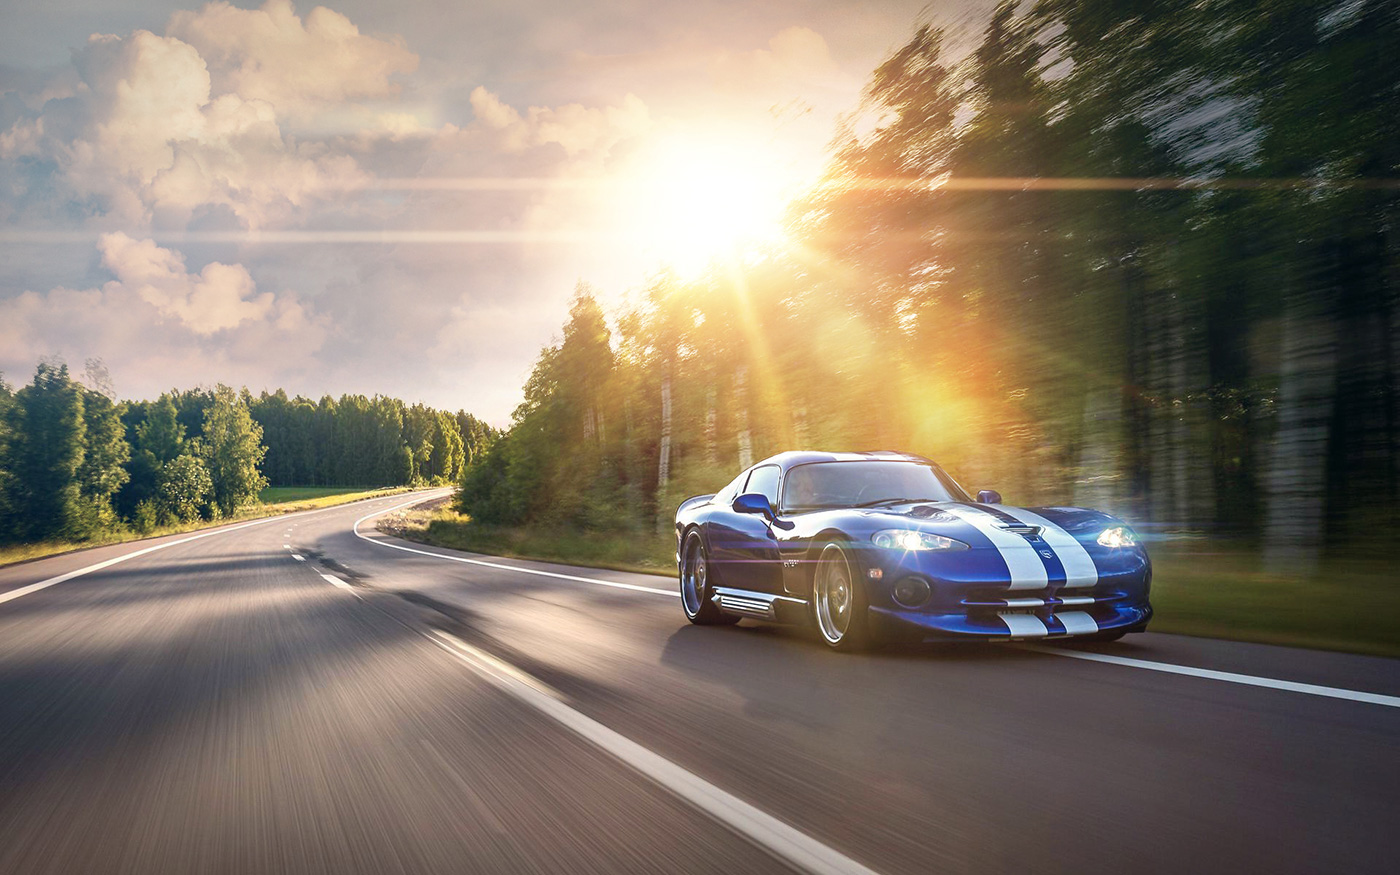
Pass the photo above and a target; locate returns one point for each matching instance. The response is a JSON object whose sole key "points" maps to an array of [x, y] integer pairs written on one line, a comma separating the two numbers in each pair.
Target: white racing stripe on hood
{"points": [[1080, 570], [1026, 568]]}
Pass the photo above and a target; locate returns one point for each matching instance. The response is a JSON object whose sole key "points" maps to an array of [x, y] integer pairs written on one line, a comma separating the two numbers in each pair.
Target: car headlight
{"points": [[908, 539], [1117, 536]]}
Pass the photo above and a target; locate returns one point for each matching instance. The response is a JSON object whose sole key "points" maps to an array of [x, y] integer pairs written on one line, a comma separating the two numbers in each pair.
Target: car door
{"points": [[743, 545]]}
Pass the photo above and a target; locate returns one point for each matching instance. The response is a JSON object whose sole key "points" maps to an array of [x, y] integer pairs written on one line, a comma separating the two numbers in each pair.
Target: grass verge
{"points": [[1201, 588], [1219, 591], [642, 552], [288, 500]]}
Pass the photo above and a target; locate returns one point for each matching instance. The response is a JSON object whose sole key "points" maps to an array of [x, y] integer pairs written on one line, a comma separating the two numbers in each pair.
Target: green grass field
{"points": [[274, 501], [1202, 588]]}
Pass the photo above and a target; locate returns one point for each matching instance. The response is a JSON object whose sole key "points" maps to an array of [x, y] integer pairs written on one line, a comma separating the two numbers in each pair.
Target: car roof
{"points": [[793, 458]]}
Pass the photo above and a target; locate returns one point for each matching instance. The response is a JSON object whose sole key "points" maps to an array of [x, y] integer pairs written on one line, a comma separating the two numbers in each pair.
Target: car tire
{"points": [[695, 586], [838, 601]]}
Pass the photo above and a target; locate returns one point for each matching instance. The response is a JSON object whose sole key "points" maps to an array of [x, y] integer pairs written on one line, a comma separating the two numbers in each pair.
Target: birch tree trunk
{"points": [[741, 403], [710, 418], [1297, 476], [663, 468], [1099, 484]]}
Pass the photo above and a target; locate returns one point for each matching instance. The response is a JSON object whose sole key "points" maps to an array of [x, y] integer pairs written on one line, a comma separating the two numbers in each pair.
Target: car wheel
{"points": [[695, 586], [838, 601]]}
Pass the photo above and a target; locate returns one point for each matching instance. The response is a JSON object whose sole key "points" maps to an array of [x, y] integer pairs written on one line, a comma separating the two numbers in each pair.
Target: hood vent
{"points": [[1020, 529]]}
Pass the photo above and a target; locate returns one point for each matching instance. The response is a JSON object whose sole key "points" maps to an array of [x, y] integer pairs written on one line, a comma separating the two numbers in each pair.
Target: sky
{"points": [[392, 198]]}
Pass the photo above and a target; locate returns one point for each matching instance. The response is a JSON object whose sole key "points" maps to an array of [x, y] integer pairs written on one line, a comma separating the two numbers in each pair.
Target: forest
{"points": [[1143, 256], [77, 464]]}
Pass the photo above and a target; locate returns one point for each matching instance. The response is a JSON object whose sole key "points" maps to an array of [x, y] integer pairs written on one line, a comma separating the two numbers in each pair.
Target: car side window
{"points": [[765, 481], [727, 495]]}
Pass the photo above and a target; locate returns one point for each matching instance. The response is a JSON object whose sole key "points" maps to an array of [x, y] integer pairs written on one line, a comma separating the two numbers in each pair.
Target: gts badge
{"points": [[790, 563]]}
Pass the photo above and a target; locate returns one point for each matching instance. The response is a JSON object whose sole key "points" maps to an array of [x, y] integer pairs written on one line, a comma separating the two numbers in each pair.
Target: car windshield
{"points": [[820, 485]]}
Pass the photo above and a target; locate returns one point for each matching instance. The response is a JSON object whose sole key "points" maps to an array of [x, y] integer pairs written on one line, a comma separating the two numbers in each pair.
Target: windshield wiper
{"points": [[893, 501]]}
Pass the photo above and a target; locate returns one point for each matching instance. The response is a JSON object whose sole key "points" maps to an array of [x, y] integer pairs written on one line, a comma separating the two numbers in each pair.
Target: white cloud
{"points": [[270, 54], [219, 297], [796, 56], [148, 136], [577, 128], [157, 324]]}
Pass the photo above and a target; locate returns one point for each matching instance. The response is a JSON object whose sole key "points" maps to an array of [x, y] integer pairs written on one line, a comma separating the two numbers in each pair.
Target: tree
{"points": [[157, 437], [232, 449], [48, 444], [186, 489], [105, 455], [8, 522]]}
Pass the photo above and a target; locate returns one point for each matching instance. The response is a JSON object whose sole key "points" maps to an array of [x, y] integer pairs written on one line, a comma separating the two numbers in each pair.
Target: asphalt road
{"points": [[219, 705]]}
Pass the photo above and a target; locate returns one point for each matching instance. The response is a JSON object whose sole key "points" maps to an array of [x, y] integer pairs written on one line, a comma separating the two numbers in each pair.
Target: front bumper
{"points": [[964, 603], [1047, 623]]}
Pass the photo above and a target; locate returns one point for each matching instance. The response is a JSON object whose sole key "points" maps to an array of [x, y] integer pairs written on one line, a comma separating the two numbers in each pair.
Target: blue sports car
{"points": [[887, 546]]}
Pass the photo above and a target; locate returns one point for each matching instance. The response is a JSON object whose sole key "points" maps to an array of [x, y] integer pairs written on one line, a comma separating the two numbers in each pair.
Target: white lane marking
{"points": [[286, 546], [298, 557], [1024, 625], [593, 580], [340, 584], [763, 829], [1077, 622], [1226, 676], [1022, 562], [336, 581], [1311, 689], [116, 560], [1080, 570]]}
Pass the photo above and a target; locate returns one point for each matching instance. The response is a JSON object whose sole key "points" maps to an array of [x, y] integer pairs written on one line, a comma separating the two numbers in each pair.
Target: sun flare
{"points": [[696, 200]]}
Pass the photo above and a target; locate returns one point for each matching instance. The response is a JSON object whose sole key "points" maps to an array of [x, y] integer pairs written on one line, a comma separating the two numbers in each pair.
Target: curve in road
{"points": [[212, 704]]}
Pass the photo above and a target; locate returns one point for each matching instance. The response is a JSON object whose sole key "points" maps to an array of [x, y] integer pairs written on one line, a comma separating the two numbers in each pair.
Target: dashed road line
{"points": [[125, 557], [340, 584], [298, 557]]}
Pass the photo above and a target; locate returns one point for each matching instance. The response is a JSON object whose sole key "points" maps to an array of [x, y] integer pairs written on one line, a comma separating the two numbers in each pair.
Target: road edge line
{"points": [[540, 573], [775, 836], [1224, 676]]}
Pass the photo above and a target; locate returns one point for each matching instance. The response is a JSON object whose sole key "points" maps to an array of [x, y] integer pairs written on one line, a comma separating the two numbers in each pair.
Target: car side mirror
{"points": [[755, 502], [989, 496]]}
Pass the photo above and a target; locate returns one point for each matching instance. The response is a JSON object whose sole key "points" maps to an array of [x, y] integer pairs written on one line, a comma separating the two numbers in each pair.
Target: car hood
{"points": [[948, 517]]}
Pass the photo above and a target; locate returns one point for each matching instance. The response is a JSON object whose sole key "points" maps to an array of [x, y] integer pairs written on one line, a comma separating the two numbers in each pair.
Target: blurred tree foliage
{"points": [[1137, 255]]}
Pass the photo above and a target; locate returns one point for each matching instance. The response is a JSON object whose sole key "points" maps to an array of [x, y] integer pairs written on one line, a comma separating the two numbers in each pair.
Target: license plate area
{"points": [[1020, 611]]}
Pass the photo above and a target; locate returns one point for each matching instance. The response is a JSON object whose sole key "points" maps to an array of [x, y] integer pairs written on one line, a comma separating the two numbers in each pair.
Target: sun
{"points": [[698, 198]]}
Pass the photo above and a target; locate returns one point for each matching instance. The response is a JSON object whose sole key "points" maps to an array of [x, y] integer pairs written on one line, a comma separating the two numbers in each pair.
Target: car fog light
{"points": [[911, 591]]}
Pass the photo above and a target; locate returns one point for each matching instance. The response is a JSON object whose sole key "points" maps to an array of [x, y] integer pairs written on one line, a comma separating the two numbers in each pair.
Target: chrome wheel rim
{"points": [[694, 577], [834, 594]]}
